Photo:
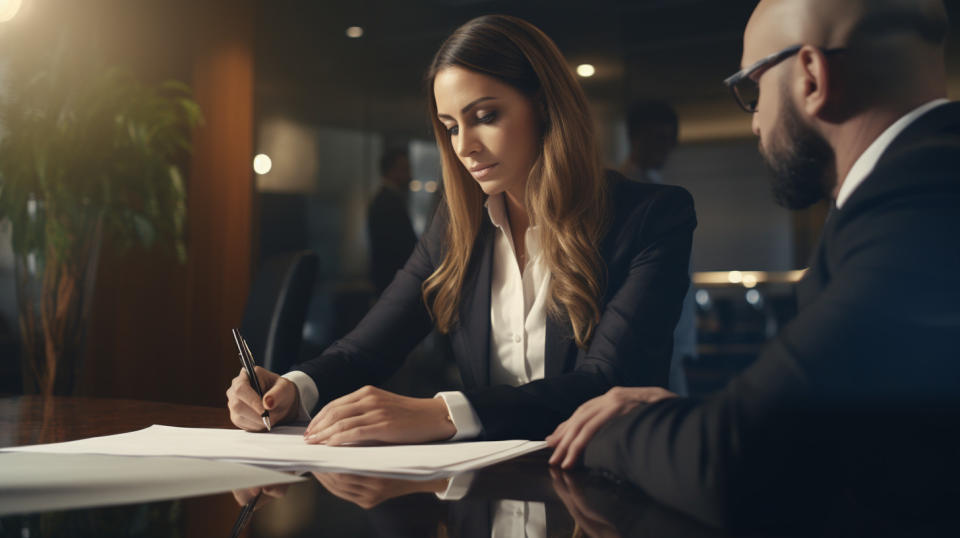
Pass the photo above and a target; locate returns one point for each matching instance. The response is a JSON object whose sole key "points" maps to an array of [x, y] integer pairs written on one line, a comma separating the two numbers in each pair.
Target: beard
{"points": [[801, 161]]}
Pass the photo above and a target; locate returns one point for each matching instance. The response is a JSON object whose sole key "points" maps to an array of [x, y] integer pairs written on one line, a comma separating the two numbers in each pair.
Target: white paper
{"points": [[284, 446], [44, 482]]}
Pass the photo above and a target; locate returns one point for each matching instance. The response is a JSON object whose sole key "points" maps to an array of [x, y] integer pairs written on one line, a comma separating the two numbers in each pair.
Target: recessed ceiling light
{"points": [[354, 32], [585, 70], [262, 164]]}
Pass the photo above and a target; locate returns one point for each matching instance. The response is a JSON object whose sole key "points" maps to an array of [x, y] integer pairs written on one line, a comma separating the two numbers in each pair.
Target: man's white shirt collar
{"points": [[869, 158]]}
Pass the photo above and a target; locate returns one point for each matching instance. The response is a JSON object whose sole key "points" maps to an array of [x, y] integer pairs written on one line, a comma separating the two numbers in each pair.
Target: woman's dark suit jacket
{"points": [[646, 251]]}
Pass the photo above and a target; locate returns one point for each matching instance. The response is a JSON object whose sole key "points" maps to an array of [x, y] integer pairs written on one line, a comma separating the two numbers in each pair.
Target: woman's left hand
{"points": [[372, 415]]}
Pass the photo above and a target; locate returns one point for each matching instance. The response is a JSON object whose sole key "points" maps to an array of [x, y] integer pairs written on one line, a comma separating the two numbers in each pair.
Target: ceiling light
{"points": [[355, 32], [585, 70], [262, 164]]}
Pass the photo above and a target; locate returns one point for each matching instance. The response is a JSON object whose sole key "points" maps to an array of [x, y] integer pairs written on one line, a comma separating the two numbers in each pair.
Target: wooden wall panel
{"points": [[159, 330]]}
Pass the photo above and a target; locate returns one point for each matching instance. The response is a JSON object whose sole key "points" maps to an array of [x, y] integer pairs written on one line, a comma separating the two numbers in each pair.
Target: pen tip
{"points": [[266, 422]]}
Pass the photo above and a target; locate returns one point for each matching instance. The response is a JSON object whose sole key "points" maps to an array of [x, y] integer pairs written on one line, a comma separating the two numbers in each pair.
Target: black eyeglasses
{"points": [[743, 84]]}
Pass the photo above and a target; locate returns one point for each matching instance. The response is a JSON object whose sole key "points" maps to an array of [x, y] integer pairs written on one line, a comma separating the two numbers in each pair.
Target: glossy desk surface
{"points": [[332, 505]]}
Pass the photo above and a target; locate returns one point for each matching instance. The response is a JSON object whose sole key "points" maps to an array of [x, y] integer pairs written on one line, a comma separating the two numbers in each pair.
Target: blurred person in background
{"points": [[652, 132], [388, 220]]}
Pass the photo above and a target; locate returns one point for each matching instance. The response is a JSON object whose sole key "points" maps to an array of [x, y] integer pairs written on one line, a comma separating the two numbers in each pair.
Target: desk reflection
{"points": [[509, 500]]}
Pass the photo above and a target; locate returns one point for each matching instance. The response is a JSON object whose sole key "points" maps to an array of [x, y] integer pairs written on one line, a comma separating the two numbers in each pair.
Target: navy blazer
{"points": [[646, 252], [858, 398]]}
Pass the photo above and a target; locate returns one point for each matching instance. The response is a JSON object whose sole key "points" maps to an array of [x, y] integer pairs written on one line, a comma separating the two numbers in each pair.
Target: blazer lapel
{"points": [[475, 310], [557, 346]]}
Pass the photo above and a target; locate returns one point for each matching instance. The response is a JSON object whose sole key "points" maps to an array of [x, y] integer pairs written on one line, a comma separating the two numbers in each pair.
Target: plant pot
{"points": [[54, 291]]}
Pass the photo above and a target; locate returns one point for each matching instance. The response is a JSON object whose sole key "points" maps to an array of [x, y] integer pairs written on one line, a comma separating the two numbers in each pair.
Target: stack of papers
{"points": [[44, 482], [284, 447]]}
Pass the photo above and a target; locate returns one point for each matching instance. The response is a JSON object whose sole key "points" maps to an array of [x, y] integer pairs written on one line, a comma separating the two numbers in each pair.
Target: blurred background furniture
{"points": [[276, 308]]}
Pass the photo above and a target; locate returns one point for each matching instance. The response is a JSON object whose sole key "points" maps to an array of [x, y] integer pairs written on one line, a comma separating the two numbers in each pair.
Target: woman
{"points": [[552, 280]]}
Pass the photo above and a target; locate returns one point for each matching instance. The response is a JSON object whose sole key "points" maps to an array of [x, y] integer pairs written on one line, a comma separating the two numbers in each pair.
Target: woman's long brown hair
{"points": [[566, 195]]}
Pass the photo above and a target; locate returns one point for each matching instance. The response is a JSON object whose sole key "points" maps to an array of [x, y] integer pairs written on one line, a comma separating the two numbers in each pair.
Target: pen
{"points": [[246, 358], [245, 514]]}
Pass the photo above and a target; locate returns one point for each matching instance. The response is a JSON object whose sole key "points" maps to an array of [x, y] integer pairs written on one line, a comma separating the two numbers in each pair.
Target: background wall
{"points": [[282, 78]]}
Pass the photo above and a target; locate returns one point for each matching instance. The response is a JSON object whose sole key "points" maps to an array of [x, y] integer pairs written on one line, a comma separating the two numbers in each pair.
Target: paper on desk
{"points": [[285, 447], [44, 482]]}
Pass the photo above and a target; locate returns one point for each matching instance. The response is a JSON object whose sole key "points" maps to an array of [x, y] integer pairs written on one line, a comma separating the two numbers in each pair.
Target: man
{"points": [[856, 400], [388, 222], [652, 130]]}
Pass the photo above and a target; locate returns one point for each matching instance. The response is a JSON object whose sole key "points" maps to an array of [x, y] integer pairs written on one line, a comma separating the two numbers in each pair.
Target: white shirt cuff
{"points": [[457, 487], [308, 393], [464, 418]]}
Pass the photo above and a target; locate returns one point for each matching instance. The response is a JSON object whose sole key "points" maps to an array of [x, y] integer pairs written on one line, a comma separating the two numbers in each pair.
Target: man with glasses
{"points": [[855, 403]]}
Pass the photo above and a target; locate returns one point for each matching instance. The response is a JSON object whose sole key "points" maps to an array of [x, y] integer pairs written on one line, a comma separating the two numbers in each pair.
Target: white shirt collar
{"points": [[497, 210], [869, 158]]}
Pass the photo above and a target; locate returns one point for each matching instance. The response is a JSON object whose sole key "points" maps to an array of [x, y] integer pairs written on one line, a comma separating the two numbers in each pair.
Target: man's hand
{"points": [[572, 435], [586, 517], [282, 400], [372, 415]]}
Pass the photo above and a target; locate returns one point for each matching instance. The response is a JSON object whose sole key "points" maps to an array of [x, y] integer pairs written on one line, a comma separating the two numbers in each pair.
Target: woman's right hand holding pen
{"points": [[281, 399]]}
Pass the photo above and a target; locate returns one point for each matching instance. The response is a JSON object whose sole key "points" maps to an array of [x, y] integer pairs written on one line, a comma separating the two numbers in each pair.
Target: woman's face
{"points": [[493, 128]]}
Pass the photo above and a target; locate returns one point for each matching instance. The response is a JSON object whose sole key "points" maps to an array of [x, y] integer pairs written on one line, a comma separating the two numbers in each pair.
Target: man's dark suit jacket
{"points": [[646, 251], [392, 238], [857, 396]]}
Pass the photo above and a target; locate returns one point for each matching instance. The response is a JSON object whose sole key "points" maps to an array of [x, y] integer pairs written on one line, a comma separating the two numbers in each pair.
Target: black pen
{"points": [[246, 358], [245, 514]]}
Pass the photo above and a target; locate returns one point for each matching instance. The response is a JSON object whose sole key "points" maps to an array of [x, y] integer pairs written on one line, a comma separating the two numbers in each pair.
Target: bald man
{"points": [[856, 400]]}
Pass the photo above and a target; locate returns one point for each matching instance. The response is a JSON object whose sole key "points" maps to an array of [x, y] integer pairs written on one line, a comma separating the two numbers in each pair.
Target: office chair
{"points": [[276, 308]]}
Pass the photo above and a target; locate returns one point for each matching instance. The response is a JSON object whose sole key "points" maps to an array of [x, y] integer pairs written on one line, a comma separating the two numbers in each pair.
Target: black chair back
{"points": [[276, 309]]}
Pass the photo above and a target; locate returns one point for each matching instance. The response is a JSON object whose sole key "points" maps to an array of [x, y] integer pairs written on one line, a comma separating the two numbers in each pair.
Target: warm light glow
{"points": [[354, 32], [430, 186], [749, 280], [262, 164], [723, 278], [9, 9], [585, 70], [416, 185]]}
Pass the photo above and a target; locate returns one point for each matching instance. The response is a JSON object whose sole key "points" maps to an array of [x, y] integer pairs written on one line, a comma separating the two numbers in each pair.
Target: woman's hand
{"points": [[282, 399], [369, 491], [572, 435], [243, 496], [372, 415]]}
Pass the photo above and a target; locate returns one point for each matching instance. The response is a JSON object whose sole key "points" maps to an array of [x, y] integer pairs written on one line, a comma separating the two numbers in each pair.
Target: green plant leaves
{"points": [[93, 142]]}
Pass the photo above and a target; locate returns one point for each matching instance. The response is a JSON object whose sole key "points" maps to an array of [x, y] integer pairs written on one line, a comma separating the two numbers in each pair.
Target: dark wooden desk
{"points": [[32, 420], [574, 504], [385, 507]]}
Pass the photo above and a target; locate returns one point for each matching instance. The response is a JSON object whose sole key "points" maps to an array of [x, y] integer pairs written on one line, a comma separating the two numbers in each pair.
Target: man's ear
{"points": [[813, 80]]}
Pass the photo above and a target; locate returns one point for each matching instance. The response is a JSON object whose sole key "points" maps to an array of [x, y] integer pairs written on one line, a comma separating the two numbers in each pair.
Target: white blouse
{"points": [[518, 317], [518, 324]]}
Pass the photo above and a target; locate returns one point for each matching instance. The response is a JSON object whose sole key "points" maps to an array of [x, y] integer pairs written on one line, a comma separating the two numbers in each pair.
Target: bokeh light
{"points": [[9, 9], [262, 164]]}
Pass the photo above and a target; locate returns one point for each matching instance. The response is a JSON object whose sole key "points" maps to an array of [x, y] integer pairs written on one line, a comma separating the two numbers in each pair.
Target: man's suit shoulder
{"points": [[923, 161]]}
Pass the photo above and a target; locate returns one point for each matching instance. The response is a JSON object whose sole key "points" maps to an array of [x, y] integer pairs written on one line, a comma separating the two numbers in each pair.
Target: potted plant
{"points": [[84, 152]]}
